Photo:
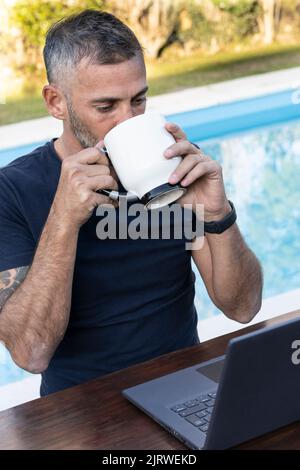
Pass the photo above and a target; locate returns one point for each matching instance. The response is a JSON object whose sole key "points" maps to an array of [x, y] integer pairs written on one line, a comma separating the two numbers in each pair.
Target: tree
{"points": [[270, 19], [155, 22], [32, 19]]}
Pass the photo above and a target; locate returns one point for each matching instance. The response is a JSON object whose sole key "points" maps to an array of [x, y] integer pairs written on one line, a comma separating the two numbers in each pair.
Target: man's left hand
{"points": [[200, 174]]}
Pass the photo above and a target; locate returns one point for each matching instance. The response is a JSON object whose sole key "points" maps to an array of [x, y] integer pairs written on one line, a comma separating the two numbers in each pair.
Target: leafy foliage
{"points": [[35, 17], [235, 20]]}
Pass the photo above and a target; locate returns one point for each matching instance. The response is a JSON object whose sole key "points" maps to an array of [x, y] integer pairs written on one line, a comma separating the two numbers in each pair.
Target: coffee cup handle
{"points": [[112, 193], [117, 195]]}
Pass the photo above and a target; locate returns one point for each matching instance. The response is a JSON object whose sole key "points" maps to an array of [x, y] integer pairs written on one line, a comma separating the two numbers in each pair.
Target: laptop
{"points": [[217, 404]]}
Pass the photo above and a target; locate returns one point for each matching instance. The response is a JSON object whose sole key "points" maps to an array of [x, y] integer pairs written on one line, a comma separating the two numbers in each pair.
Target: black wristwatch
{"points": [[220, 226]]}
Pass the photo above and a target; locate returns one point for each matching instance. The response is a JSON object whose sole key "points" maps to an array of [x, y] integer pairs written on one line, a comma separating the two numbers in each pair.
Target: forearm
{"points": [[34, 319], [236, 275]]}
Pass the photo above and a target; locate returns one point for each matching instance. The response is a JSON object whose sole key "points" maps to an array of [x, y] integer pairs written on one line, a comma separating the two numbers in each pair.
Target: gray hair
{"points": [[93, 34]]}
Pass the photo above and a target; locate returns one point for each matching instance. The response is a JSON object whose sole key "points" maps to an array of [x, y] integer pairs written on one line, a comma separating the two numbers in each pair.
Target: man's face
{"points": [[101, 96]]}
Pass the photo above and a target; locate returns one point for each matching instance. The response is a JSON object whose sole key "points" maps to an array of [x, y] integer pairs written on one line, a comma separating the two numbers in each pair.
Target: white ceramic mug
{"points": [[136, 149]]}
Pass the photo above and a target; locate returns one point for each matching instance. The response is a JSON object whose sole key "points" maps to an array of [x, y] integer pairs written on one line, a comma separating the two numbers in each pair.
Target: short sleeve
{"points": [[17, 245]]}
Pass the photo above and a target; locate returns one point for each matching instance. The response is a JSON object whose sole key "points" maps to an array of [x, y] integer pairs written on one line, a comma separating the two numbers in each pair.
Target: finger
{"points": [[92, 155], [198, 171], [101, 200], [95, 170], [103, 159], [187, 164], [176, 131], [101, 182], [101, 147], [183, 147], [100, 144]]}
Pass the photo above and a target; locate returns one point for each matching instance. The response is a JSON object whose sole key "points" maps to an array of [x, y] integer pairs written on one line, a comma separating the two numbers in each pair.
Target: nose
{"points": [[125, 114]]}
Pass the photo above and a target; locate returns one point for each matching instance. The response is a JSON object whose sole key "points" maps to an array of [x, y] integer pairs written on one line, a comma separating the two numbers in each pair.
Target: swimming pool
{"points": [[257, 142], [262, 173]]}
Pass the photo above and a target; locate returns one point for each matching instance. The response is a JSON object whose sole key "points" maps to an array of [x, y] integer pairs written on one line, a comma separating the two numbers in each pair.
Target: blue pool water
{"points": [[257, 142], [262, 176]]}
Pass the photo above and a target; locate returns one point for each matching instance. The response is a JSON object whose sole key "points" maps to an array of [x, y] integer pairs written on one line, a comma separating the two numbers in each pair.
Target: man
{"points": [[74, 307]]}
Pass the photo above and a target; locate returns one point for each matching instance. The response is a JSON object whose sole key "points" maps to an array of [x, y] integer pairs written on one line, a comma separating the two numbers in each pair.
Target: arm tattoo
{"points": [[10, 281]]}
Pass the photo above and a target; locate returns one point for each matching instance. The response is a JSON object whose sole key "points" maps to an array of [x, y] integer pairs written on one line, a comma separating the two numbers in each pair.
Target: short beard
{"points": [[79, 129]]}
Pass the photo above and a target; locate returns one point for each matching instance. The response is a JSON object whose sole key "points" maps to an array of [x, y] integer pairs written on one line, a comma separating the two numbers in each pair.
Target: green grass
{"points": [[198, 70], [21, 109], [175, 74]]}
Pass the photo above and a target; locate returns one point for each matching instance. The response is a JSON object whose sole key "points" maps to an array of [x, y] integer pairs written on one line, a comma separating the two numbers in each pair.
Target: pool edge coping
{"points": [[170, 103]]}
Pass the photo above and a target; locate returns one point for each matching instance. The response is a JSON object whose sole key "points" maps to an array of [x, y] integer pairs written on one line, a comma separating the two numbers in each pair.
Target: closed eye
{"points": [[107, 108], [104, 109], [139, 101]]}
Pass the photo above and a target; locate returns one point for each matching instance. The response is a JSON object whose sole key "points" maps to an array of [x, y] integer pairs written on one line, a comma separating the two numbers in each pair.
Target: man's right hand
{"points": [[81, 176]]}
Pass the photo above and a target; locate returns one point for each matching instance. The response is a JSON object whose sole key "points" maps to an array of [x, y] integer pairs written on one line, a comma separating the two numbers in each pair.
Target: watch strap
{"points": [[219, 226]]}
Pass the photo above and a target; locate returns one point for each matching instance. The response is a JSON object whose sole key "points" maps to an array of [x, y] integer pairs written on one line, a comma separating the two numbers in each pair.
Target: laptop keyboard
{"points": [[197, 411]]}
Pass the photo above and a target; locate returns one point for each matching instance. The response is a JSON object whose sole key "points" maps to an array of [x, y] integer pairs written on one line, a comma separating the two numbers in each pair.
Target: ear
{"points": [[55, 102]]}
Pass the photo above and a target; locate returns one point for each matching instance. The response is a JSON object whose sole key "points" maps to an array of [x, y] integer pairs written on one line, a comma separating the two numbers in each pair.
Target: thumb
{"points": [[100, 144]]}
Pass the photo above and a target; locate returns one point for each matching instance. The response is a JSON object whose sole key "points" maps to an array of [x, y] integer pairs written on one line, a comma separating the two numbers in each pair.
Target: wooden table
{"points": [[94, 415]]}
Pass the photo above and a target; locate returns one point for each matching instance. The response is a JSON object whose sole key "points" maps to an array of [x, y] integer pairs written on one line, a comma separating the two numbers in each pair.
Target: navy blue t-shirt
{"points": [[132, 300]]}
